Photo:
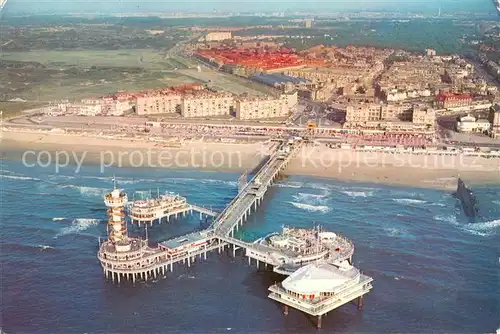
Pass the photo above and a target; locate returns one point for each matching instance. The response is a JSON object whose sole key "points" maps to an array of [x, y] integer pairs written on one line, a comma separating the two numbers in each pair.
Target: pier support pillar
{"points": [[168, 218], [189, 263], [285, 310], [205, 254], [360, 302], [133, 278], [118, 278], [171, 267], [249, 261], [319, 322], [234, 250], [258, 263], [201, 216]]}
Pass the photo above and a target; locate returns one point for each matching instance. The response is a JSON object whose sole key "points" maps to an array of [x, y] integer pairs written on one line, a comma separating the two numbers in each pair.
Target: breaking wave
{"points": [[14, 177], [358, 193], [448, 219], [496, 202], [482, 229], [311, 208], [311, 199], [78, 225], [88, 191], [292, 184], [408, 201], [56, 219], [44, 247]]}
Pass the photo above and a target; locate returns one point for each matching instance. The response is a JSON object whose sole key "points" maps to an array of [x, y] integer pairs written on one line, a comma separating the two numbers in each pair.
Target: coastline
{"points": [[421, 171]]}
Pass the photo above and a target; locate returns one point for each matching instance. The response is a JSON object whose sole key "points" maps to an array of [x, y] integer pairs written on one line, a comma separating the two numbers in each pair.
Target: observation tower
{"points": [[117, 224]]}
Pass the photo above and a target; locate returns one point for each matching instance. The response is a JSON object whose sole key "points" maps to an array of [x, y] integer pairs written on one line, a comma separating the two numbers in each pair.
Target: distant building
{"points": [[470, 124], [81, 109], [308, 23], [494, 118], [430, 52], [218, 36]]}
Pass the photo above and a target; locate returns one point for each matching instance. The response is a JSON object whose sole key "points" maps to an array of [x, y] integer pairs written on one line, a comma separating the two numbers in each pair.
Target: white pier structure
{"points": [[146, 211], [317, 289]]}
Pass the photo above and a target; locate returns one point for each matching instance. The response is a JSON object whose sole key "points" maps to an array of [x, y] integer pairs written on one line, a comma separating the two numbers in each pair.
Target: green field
{"points": [[147, 59], [12, 109], [72, 89], [74, 75]]}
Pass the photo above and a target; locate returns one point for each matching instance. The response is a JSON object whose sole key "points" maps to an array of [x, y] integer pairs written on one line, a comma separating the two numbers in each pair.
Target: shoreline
{"points": [[420, 171]]}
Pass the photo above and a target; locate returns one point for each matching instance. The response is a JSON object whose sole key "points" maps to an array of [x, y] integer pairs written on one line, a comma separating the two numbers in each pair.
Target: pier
{"points": [[285, 253], [141, 260]]}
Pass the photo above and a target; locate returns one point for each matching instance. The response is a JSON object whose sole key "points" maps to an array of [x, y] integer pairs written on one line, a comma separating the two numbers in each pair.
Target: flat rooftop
{"points": [[184, 240]]}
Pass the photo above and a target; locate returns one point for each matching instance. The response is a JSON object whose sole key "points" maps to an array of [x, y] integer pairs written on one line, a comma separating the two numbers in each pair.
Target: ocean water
{"points": [[434, 270]]}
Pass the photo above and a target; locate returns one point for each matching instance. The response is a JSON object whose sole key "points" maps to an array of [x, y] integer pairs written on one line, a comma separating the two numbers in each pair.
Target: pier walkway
{"points": [[251, 196]]}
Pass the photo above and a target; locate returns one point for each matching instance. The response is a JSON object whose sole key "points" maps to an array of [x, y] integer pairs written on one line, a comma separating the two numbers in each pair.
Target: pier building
{"points": [[148, 210], [294, 248], [317, 289]]}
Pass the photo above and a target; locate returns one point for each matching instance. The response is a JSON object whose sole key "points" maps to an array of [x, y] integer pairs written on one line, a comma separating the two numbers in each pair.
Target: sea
{"points": [[434, 269]]}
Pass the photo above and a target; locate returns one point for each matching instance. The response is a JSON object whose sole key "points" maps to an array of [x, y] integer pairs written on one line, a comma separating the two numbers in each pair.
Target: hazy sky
{"points": [[128, 6]]}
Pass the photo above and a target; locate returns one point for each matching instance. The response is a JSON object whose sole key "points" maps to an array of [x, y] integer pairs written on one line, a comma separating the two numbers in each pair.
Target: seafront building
{"points": [[319, 288], [163, 101], [494, 118], [248, 108], [205, 104], [394, 116]]}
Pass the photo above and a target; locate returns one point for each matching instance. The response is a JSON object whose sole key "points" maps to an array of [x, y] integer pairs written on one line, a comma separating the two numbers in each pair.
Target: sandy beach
{"points": [[426, 171]]}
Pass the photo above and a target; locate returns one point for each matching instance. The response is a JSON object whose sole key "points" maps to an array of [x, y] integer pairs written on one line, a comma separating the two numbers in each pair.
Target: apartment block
{"points": [[158, 104], [206, 104], [396, 112]]}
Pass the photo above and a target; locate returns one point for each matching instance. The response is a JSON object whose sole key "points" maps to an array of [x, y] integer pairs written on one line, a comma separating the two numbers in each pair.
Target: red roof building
{"points": [[450, 100]]}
